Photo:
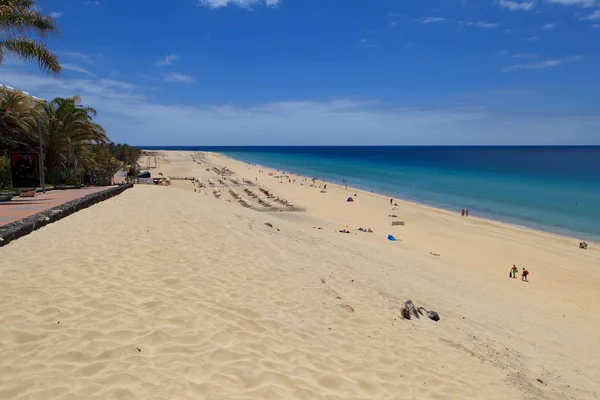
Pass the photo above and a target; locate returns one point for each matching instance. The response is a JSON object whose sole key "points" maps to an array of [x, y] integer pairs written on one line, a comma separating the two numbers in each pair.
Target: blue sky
{"points": [[258, 72]]}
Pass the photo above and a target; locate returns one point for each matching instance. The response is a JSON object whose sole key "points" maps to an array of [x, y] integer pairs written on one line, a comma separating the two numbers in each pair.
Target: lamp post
{"points": [[41, 157]]}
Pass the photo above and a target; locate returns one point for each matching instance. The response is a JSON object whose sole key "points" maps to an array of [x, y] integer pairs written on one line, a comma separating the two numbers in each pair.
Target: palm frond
{"points": [[29, 49], [21, 20]]}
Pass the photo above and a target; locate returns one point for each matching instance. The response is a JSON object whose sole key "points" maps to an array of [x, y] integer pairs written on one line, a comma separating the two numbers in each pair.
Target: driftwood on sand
{"points": [[409, 310]]}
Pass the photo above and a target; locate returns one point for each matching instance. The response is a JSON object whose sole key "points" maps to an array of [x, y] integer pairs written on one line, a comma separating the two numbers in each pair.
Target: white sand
{"points": [[222, 306]]}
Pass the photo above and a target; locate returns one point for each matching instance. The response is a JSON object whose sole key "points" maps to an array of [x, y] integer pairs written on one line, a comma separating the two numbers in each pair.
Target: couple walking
{"points": [[514, 271]]}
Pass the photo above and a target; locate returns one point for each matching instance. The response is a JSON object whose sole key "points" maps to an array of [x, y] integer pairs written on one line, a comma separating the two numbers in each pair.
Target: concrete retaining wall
{"points": [[25, 226]]}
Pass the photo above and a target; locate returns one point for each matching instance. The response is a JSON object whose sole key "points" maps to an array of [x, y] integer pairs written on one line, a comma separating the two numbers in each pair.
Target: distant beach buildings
{"points": [[27, 103]]}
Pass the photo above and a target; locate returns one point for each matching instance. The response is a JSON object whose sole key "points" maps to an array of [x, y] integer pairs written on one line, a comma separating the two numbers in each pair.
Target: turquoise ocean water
{"points": [[556, 189]]}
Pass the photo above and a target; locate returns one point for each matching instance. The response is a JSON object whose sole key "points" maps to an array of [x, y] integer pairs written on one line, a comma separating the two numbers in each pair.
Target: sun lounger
{"points": [[396, 223]]}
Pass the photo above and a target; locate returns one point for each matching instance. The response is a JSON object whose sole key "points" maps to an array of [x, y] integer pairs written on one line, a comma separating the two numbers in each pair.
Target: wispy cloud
{"points": [[129, 115], [77, 68], [583, 3], [525, 55], [366, 43], [542, 64], [168, 60], [213, 4], [532, 39], [511, 5], [549, 26], [394, 23], [55, 14], [593, 16], [430, 20], [512, 92], [81, 57], [177, 77], [10, 59], [92, 3], [480, 24], [506, 53], [596, 26]]}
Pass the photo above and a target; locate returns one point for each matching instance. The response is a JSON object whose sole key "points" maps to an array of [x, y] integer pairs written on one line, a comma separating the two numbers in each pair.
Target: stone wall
{"points": [[25, 226]]}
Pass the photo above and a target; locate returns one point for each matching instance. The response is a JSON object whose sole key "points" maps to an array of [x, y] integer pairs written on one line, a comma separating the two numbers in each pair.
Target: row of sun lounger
{"points": [[284, 202], [265, 202]]}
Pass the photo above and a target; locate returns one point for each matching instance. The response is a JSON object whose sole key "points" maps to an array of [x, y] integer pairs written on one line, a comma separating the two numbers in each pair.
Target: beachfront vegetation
{"points": [[75, 147], [18, 20]]}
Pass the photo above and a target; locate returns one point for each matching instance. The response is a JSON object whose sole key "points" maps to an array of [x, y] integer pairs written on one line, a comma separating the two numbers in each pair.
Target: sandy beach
{"points": [[167, 292]]}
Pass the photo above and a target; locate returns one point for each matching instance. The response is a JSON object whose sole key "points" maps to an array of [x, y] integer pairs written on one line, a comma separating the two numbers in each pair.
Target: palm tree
{"points": [[13, 107], [19, 17], [65, 125]]}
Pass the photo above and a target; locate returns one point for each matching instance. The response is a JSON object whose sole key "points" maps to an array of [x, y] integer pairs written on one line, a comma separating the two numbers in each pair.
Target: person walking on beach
{"points": [[466, 213], [462, 213], [391, 201], [129, 173], [524, 275], [513, 272]]}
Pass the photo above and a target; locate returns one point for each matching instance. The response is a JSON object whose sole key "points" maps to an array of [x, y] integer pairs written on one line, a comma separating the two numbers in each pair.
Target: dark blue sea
{"points": [[551, 188]]}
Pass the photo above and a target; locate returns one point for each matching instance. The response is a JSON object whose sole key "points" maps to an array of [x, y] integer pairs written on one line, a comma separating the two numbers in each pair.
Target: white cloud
{"points": [[480, 24], [525, 55], [55, 14], [506, 53], [596, 26], [129, 115], [532, 39], [213, 4], [593, 16], [517, 5], [430, 20], [583, 3], [177, 77], [549, 26], [79, 56], [92, 3], [77, 68], [366, 43], [168, 60], [542, 64]]}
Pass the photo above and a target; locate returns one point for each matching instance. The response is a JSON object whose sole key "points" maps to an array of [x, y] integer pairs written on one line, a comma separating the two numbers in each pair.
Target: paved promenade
{"points": [[22, 207]]}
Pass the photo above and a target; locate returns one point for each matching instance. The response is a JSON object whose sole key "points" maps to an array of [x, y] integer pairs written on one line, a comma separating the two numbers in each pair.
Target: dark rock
{"points": [[433, 315], [405, 313], [270, 225]]}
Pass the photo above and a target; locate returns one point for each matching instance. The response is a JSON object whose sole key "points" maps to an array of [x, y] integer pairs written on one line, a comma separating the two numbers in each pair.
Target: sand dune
{"points": [[163, 293]]}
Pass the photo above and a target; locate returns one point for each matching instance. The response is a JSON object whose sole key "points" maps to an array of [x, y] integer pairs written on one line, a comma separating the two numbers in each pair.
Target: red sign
{"points": [[25, 168]]}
